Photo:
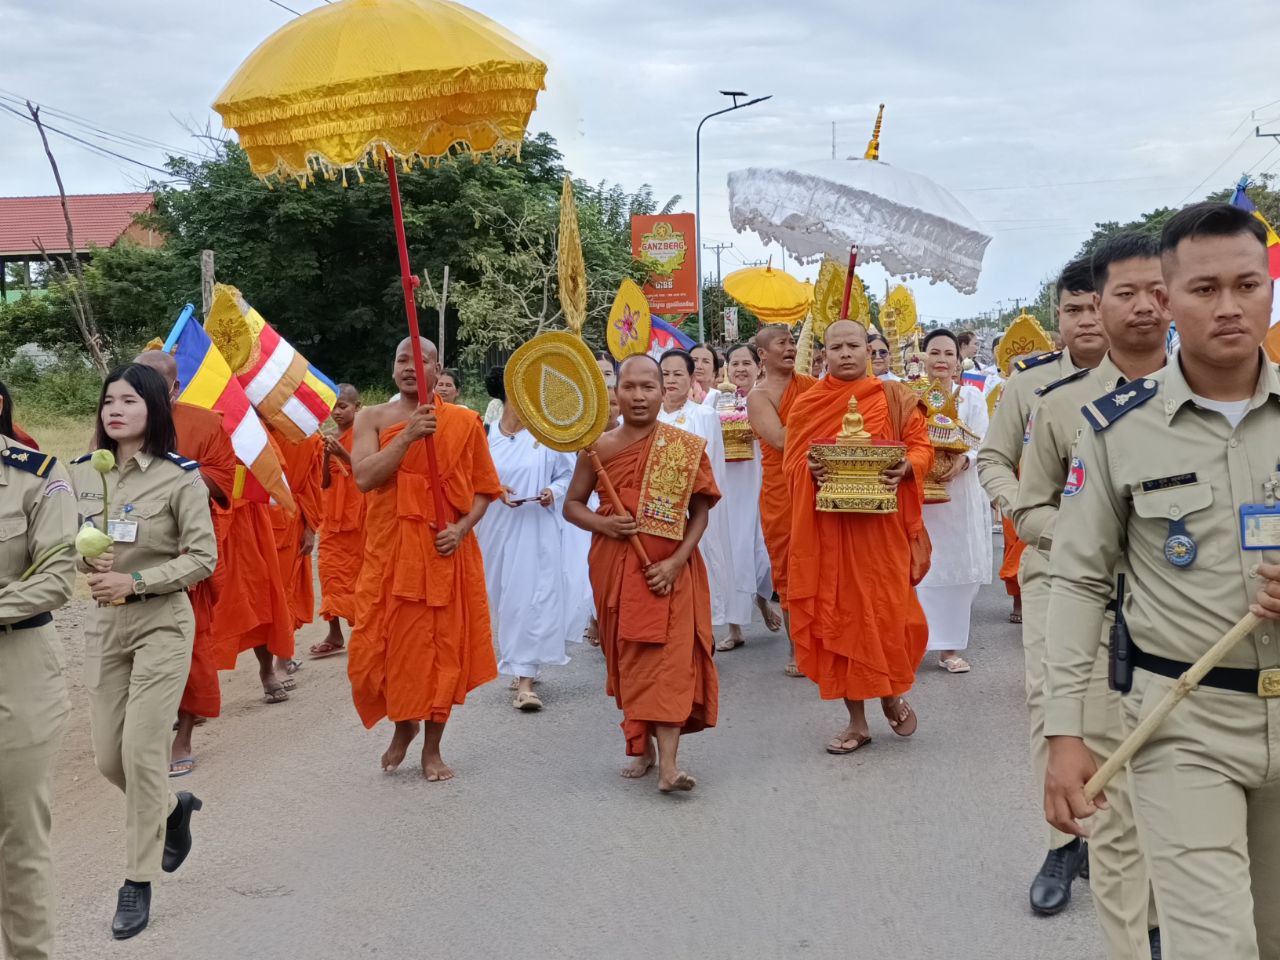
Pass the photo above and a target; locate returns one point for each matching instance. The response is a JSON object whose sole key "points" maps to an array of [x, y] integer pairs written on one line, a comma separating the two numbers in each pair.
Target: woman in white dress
{"points": [[960, 529], [679, 409], [521, 542], [706, 374], [740, 494]]}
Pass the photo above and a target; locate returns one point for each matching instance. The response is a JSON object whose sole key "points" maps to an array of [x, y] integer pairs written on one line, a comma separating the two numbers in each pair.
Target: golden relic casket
{"points": [[735, 429], [947, 435], [854, 463]]}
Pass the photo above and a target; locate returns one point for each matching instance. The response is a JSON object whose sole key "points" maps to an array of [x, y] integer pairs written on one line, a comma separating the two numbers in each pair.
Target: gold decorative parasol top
{"points": [[559, 391], [571, 269], [1025, 335], [772, 295], [417, 78]]}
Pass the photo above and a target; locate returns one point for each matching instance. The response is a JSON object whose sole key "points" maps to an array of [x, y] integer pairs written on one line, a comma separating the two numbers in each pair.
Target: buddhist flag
{"points": [[287, 391], [207, 382], [1241, 199]]}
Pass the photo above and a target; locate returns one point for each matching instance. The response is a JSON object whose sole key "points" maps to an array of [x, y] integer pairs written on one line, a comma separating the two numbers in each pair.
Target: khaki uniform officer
{"points": [[998, 461], [37, 511], [1117, 873], [138, 653], [1163, 485]]}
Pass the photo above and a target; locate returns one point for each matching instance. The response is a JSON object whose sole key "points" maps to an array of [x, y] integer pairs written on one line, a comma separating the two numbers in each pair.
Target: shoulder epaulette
{"points": [[29, 461], [1037, 361], [1069, 378], [1107, 409], [182, 461], [83, 459]]}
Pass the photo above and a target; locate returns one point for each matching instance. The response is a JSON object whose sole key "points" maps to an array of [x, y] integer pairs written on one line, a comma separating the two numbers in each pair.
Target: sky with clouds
{"points": [[1042, 119]]}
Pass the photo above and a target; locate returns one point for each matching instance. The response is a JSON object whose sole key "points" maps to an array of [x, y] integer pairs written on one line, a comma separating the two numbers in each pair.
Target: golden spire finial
{"points": [[873, 148], [852, 429]]}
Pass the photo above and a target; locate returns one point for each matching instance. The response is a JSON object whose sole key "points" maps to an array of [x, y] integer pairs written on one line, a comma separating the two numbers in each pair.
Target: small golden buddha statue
{"points": [[855, 462]]}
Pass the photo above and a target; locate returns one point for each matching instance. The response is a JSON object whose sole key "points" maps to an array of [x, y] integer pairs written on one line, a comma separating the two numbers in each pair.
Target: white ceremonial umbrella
{"points": [[904, 221]]}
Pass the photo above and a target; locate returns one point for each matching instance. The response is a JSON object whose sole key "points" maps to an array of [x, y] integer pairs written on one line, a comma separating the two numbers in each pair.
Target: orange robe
{"points": [[775, 495], [341, 538], [301, 462], [657, 649], [24, 438], [201, 437], [1013, 548], [421, 640], [858, 628], [253, 608]]}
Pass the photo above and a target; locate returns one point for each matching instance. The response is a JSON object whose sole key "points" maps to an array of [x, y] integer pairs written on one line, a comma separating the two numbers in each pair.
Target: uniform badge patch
{"points": [[1075, 478], [56, 486]]}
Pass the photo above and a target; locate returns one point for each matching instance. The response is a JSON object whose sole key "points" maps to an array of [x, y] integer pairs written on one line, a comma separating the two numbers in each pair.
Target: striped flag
{"points": [[1241, 199], [974, 378], [207, 382], [663, 337], [288, 392]]}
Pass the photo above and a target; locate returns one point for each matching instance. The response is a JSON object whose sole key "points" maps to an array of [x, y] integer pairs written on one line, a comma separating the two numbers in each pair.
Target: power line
{"points": [[97, 148], [1247, 137], [118, 136], [283, 7]]}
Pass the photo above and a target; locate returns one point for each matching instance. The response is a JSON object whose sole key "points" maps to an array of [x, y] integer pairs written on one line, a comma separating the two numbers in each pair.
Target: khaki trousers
{"points": [[1206, 792], [1033, 578], [1118, 877], [33, 709], [136, 661]]}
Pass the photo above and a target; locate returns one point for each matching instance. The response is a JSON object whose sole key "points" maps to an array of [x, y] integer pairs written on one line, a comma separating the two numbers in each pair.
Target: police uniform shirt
{"points": [[1001, 449], [1052, 436], [172, 545], [1159, 485], [37, 512]]}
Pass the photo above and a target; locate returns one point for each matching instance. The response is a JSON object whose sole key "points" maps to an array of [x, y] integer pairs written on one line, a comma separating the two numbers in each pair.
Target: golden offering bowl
{"points": [[935, 491], [739, 443], [854, 483]]}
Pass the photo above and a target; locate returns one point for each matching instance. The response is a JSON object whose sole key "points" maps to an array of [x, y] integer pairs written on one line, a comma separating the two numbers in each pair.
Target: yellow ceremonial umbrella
{"points": [[772, 295], [356, 82]]}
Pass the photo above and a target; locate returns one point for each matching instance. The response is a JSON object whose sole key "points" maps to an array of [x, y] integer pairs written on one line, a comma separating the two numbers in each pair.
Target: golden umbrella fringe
{"points": [[467, 82], [315, 163]]}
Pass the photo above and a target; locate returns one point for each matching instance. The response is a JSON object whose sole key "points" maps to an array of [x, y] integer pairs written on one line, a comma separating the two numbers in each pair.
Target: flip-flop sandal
{"points": [[791, 670], [910, 720], [528, 702], [1015, 618], [838, 748], [288, 684], [326, 649], [515, 683], [955, 665], [728, 643], [182, 766], [292, 666], [276, 694]]}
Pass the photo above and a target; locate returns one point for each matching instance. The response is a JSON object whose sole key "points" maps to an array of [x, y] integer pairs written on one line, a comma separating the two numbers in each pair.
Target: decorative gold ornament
{"points": [[735, 429], [900, 322], [571, 269], [630, 324], [828, 298], [559, 391], [804, 347], [1025, 335], [947, 435], [855, 463], [669, 472]]}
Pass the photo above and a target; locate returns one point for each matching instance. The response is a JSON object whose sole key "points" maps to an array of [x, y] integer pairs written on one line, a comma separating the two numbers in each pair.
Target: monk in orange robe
{"points": [[295, 531], [421, 639], [1013, 548], [768, 407], [200, 437], [859, 630], [655, 620], [341, 526]]}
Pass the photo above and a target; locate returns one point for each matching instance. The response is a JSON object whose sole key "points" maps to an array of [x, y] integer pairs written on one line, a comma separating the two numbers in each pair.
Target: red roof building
{"points": [[99, 220]]}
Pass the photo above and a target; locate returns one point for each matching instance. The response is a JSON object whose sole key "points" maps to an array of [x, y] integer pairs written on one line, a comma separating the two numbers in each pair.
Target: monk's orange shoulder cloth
{"points": [[775, 499]]}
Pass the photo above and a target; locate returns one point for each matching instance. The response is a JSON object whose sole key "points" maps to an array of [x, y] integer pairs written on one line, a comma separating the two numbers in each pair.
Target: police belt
{"points": [[39, 620], [138, 598], [1238, 679]]}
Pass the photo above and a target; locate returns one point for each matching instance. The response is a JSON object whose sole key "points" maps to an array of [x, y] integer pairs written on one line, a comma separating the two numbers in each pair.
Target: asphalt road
{"points": [[919, 848]]}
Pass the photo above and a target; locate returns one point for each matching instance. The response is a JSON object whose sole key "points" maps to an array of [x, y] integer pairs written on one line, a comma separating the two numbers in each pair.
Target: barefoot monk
{"points": [[341, 525], [858, 628], [654, 621], [421, 640]]}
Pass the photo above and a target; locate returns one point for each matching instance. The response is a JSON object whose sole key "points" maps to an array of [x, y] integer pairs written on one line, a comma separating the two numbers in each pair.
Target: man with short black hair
{"points": [[1174, 480]]}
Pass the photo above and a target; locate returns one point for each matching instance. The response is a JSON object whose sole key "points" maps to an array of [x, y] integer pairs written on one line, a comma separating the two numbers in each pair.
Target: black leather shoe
{"points": [[1154, 936], [177, 834], [133, 910], [1051, 889]]}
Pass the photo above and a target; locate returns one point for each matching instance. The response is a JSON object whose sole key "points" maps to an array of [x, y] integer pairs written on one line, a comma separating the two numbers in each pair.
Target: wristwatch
{"points": [[139, 585]]}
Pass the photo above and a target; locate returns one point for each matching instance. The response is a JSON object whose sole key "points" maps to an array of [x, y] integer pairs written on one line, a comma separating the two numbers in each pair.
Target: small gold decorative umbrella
{"points": [[360, 82], [772, 295]]}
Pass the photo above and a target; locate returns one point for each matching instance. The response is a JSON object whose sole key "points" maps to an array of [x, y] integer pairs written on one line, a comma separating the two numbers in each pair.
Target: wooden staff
{"points": [[616, 501], [1186, 683]]}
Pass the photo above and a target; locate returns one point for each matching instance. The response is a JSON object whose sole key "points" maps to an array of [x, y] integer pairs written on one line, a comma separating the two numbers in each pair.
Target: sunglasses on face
{"points": [[879, 353]]}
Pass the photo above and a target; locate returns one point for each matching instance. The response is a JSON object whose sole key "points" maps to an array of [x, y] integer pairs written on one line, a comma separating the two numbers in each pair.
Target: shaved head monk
{"points": [[201, 437], [421, 640], [654, 621], [859, 630], [768, 407], [341, 525]]}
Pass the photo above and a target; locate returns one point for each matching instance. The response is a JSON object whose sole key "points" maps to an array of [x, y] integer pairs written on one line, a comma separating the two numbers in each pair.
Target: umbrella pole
{"points": [[616, 501], [848, 281], [409, 282]]}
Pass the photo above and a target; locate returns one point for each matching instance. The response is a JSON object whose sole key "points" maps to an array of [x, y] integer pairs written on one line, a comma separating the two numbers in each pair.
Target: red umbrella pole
{"points": [[410, 283], [848, 281]]}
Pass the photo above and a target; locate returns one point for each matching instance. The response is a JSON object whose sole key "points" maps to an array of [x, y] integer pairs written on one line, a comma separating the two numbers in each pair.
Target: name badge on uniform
{"points": [[1260, 526], [123, 531]]}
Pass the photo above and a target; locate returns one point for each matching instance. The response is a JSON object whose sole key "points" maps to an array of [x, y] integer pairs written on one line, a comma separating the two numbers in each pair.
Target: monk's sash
{"points": [[669, 475]]}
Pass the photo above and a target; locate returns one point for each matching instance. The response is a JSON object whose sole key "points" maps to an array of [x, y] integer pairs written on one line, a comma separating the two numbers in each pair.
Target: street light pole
{"points": [[697, 188]]}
